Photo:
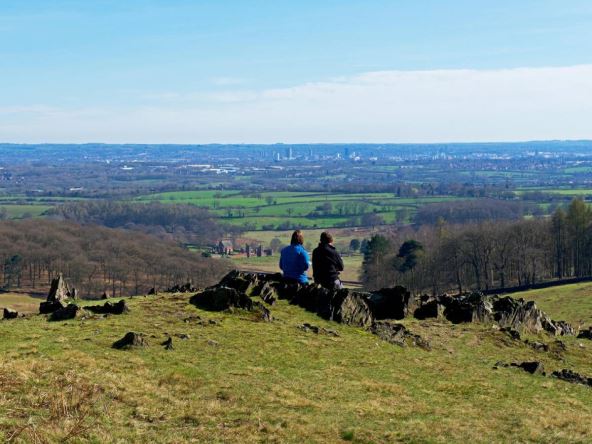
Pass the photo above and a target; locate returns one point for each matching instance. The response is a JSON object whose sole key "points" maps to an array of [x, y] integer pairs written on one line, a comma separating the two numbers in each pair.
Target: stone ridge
{"points": [[366, 309]]}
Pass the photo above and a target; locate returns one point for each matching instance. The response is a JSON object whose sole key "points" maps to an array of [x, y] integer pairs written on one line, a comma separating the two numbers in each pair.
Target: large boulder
{"points": [[70, 311], [392, 303], [351, 308], [10, 314], [469, 308], [221, 298], [49, 307], [109, 308], [59, 290]]}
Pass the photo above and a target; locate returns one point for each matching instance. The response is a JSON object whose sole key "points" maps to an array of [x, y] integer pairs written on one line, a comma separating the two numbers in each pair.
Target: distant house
{"points": [[225, 247]]}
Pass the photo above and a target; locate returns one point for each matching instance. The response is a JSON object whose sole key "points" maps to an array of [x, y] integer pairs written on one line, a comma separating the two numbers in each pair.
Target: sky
{"points": [[301, 71]]}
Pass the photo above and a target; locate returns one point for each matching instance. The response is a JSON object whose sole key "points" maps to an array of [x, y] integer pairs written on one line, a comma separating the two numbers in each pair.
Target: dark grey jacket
{"points": [[326, 264]]}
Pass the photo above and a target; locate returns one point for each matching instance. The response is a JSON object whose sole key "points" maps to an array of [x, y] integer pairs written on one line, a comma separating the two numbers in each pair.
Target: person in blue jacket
{"points": [[294, 260]]}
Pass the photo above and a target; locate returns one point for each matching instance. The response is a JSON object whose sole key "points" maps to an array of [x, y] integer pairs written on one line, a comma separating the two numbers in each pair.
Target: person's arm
{"points": [[338, 262], [306, 260]]}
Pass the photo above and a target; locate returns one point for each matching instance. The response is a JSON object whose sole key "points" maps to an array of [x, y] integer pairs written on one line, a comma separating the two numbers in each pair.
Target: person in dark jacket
{"points": [[327, 264], [294, 260]]}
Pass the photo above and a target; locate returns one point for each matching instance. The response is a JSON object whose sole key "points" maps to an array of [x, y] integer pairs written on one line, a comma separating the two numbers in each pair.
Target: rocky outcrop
{"points": [[585, 334], [109, 308], [58, 295], [70, 311], [368, 309], [184, 288], [59, 290], [49, 307], [10, 314], [532, 367], [573, 377], [130, 340], [398, 334], [220, 298]]}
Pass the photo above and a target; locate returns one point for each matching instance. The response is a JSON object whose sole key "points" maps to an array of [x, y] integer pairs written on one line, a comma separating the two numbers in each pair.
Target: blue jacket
{"points": [[294, 262]]}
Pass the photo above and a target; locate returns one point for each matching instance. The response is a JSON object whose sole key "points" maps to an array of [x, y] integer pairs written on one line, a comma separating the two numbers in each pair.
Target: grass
{"points": [[18, 211], [20, 302], [245, 381]]}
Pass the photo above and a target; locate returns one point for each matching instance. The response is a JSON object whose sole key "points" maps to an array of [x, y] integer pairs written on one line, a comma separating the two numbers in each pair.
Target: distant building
{"points": [[225, 247]]}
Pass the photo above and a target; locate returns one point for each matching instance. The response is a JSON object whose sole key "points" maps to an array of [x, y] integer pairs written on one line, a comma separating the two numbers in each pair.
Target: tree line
{"points": [[180, 222], [445, 257], [97, 259]]}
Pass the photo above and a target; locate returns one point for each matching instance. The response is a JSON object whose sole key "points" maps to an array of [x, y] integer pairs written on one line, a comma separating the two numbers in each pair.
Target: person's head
{"points": [[297, 238], [326, 238]]}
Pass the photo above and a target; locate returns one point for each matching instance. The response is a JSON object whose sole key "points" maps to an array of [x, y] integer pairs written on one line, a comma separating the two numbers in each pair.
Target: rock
{"points": [[532, 367], [59, 290], [474, 307], [267, 292], [429, 308], [70, 311], [221, 298], [585, 334], [264, 312], [130, 340], [351, 308], [50, 307], [514, 334], [185, 288], [152, 291], [398, 334], [183, 336], [573, 377], [392, 303], [109, 308], [213, 343], [538, 346], [317, 330], [10, 314], [168, 344]]}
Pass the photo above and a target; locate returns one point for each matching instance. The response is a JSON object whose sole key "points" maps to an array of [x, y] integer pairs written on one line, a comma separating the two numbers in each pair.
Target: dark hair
{"points": [[297, 238], [326, 238]]}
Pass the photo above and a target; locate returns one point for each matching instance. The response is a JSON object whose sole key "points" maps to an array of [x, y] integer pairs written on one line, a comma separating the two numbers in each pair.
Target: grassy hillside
{"points": [[244, 381]]}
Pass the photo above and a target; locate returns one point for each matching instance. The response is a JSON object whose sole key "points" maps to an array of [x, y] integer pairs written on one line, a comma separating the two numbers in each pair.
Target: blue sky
{"points": [[260, 71]]}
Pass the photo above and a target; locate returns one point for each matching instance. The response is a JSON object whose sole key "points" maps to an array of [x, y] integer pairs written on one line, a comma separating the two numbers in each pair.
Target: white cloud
{"points": [[384, 106]]}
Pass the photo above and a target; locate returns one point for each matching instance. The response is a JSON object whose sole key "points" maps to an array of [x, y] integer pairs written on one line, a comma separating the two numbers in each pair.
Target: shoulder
{"points": [[300, 249]]}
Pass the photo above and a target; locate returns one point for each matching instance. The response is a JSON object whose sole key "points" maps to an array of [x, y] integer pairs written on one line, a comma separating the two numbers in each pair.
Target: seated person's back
{"points": [[326, 263], [294, 260]]}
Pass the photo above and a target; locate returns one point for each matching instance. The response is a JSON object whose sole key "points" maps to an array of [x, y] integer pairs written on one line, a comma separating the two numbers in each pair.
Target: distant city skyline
{"points": [[180, 71]]}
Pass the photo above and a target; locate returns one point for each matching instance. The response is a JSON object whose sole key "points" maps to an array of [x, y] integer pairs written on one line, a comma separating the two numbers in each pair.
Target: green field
{"points": [[269, 210], [20, 211], [241, 381]]}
